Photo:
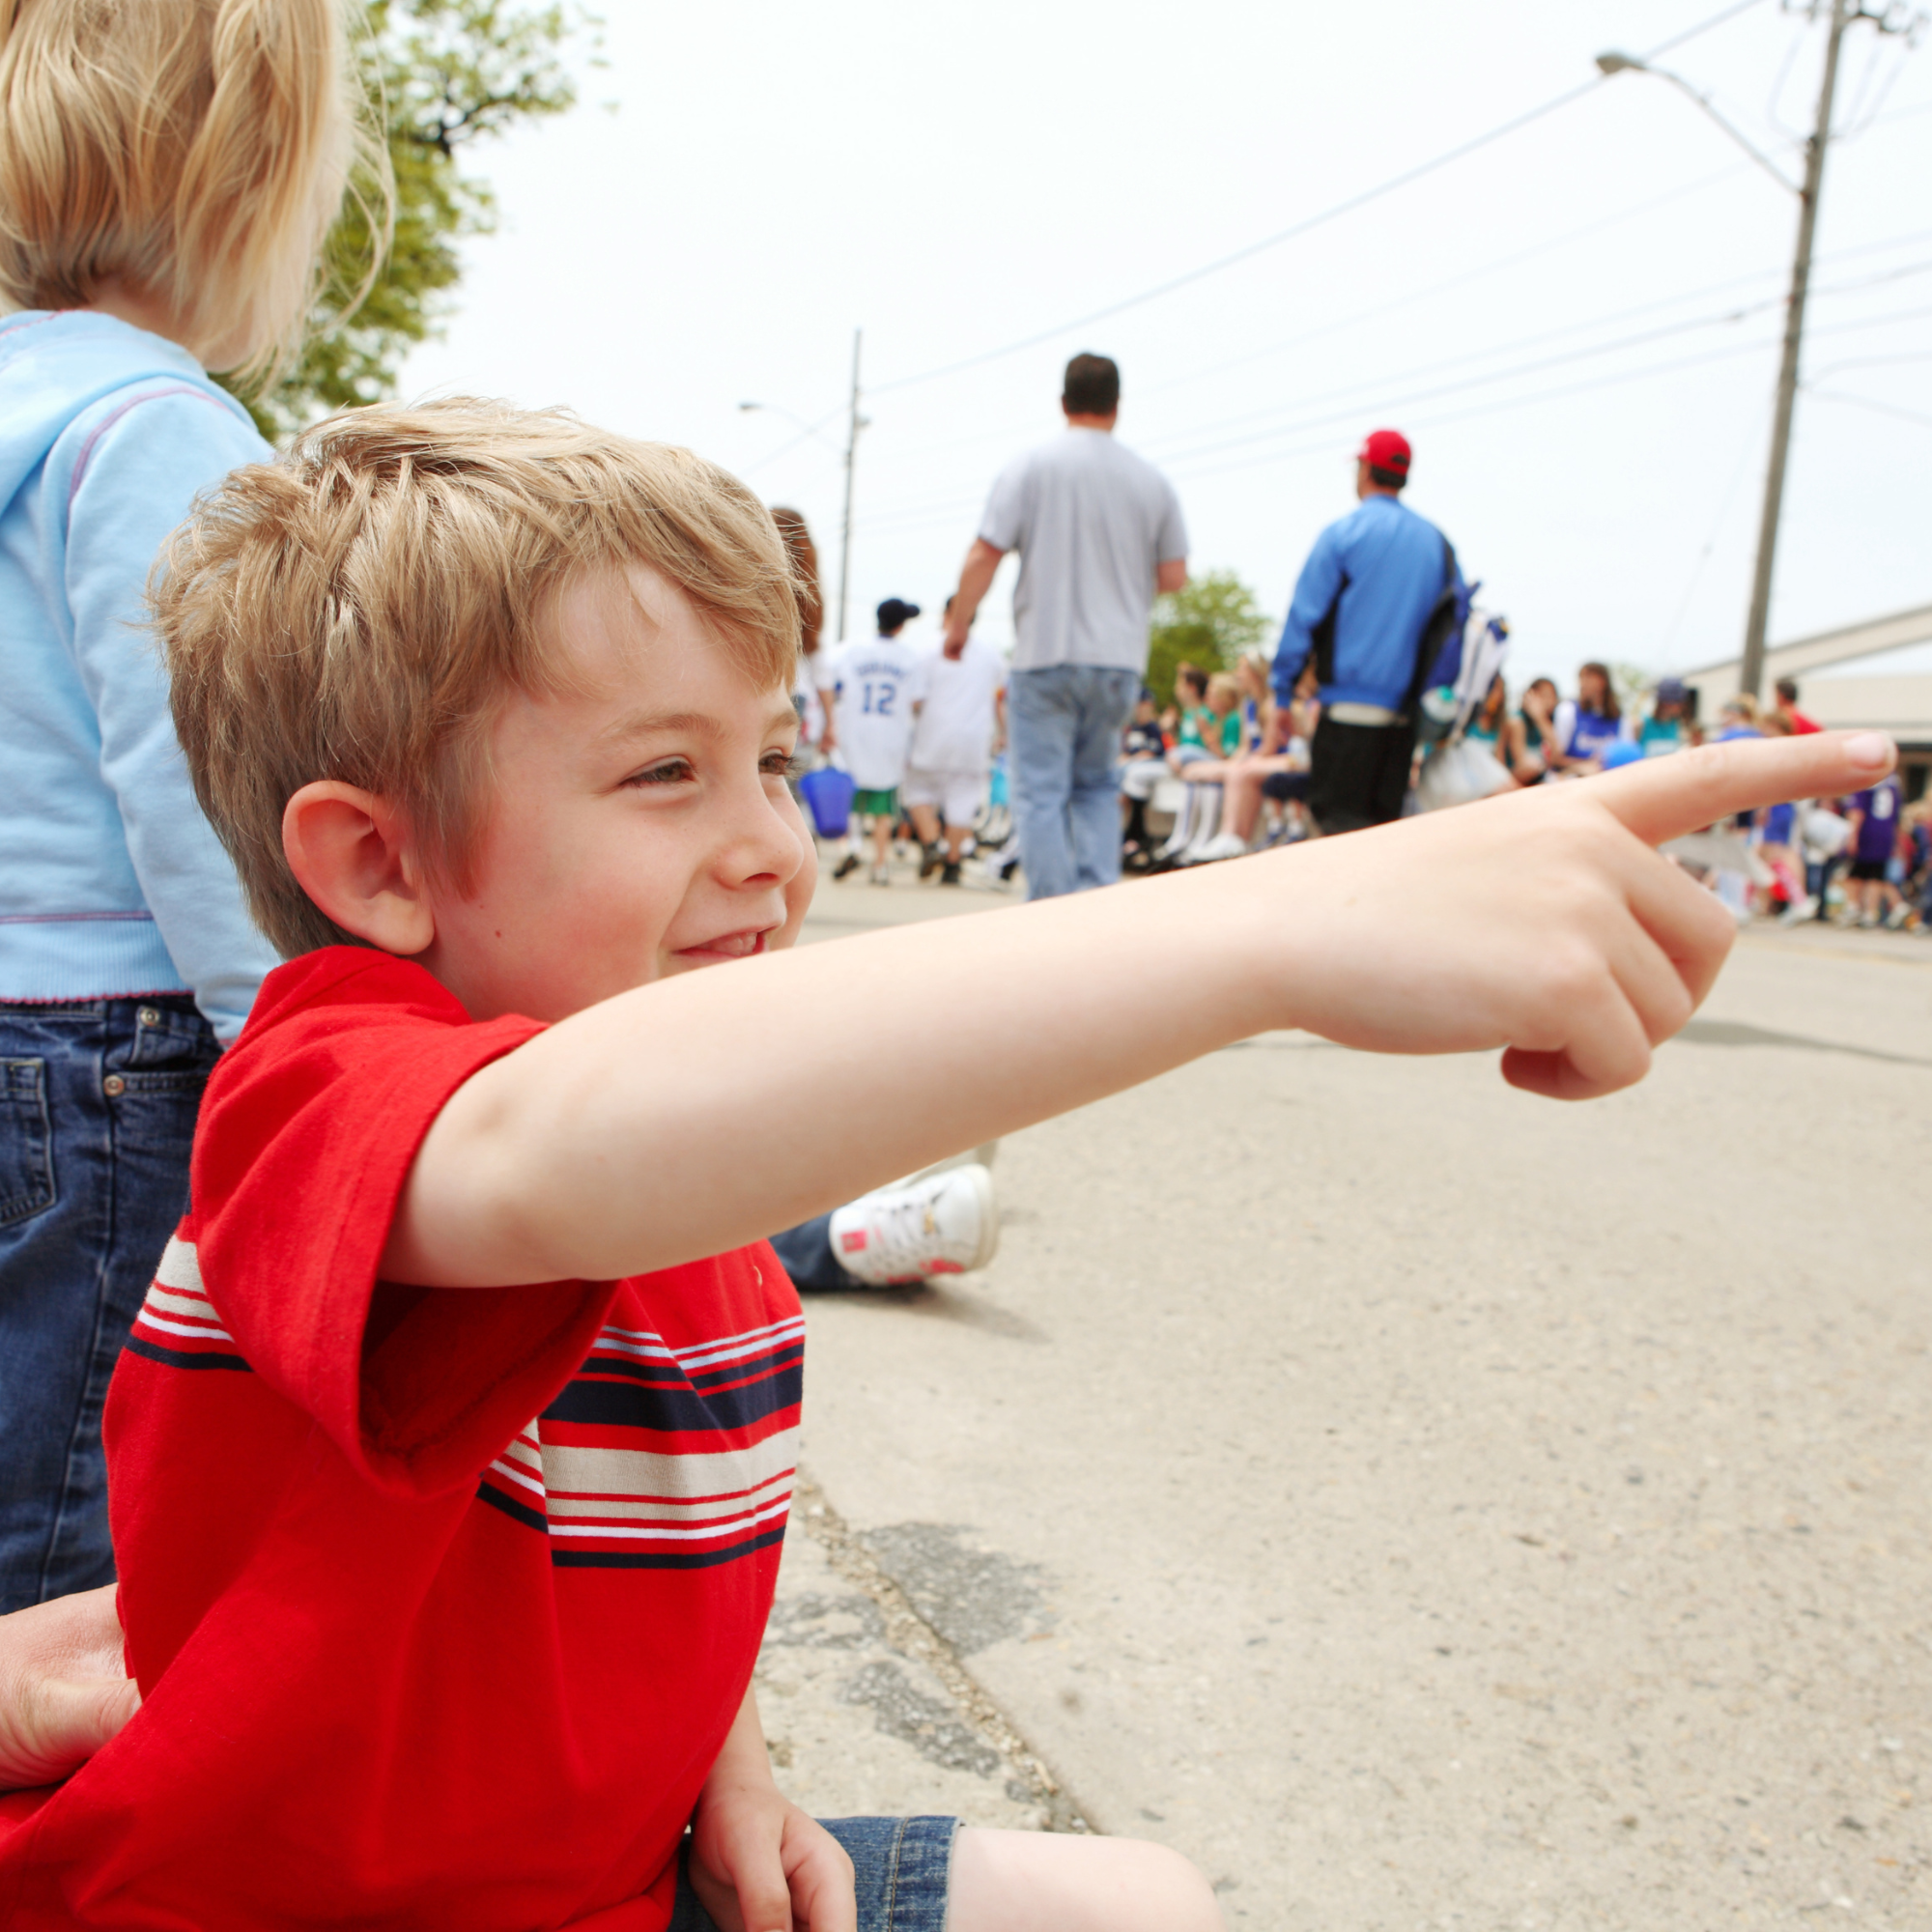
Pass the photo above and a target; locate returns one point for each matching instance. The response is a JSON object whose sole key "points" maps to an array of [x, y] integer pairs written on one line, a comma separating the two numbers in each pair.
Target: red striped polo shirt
{"points": [[442, 1601]]}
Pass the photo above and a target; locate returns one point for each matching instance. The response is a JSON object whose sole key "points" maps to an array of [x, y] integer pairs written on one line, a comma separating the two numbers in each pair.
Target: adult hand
{"points": [[1542, 920], [64, 1686]]}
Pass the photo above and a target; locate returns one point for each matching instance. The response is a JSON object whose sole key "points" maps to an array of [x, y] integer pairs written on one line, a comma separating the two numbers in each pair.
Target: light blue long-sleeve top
{"points": [[1374, 576], [112, 883]]}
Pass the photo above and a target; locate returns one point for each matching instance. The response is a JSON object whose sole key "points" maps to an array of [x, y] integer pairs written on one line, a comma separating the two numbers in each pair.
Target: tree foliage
{"points": [[443, 73], [1209, 622]]}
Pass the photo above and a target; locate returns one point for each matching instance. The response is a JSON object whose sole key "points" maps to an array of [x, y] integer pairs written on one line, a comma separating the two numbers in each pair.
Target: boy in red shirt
{"points": [[452, 1450]]}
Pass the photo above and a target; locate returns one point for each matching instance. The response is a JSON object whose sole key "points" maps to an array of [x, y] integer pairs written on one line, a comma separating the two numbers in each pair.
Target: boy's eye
{"points": [[670, 772], [780, 765]]}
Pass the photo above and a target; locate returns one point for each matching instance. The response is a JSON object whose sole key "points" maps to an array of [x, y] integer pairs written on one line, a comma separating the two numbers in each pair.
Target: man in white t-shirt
{"points": [[1099, 535], [879, 686], [952, 745]]}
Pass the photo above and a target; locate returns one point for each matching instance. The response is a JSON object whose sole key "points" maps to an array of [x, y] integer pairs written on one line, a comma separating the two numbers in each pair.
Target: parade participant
{"points": [[1100, 534], [878, 686], [166, 175], [1361, 606], [954, 744]]}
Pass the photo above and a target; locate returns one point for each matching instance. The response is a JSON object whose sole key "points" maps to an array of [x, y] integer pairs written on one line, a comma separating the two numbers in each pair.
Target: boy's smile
{"points": [[640, 822]]}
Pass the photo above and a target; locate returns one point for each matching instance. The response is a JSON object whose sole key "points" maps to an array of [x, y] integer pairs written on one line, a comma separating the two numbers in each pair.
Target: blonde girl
{"points": [[168, 169]]}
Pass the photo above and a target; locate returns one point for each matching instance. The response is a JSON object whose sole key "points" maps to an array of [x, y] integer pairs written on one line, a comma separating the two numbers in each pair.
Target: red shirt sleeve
{"points": [[307, 1132]]}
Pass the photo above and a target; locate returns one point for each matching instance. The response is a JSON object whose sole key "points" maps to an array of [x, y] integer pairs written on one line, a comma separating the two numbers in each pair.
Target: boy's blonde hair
{"points": [[360, 610], [196, 149], [1222, 686]]}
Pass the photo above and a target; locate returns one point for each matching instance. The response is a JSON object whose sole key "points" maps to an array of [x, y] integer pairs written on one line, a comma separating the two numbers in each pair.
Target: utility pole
{"points": [[1750, 671], [854, 425]]}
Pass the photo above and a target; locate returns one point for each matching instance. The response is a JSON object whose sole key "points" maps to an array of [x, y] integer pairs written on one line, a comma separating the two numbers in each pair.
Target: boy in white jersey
{"points": [[879, 687], [952, 746]]}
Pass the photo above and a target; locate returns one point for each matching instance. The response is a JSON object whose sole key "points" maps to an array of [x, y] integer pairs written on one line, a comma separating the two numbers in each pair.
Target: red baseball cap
{"points": [[1385, 449]]}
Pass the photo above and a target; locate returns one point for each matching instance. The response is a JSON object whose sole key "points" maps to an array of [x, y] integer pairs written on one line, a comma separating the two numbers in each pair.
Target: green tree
{"points": [[1209, 623], [444, 73]]}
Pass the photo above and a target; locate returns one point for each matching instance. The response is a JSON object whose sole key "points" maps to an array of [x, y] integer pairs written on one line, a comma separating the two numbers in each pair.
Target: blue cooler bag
{"points": [[828, 796]]}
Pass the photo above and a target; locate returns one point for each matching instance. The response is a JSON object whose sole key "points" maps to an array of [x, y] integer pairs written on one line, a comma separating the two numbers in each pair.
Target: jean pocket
{"points": [[26, 1142]]}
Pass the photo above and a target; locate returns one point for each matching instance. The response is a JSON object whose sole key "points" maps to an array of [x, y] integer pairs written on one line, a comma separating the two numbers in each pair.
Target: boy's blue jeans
{"points": [[96, 1125], [1064, 723]]}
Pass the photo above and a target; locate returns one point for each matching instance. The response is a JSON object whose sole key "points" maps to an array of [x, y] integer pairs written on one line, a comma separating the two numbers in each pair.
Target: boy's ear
{"points": [[352, 854]]}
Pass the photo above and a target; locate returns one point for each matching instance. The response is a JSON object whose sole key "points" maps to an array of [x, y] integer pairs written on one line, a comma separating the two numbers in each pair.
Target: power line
{"points": [[889, 457], [1308, 223], [1636, 341], [1866, 403], [1498, 406], [904, 517]]}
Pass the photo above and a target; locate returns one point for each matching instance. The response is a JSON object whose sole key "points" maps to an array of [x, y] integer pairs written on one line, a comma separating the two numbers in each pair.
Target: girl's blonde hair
{"points": [[363, 608], [196, 149]]}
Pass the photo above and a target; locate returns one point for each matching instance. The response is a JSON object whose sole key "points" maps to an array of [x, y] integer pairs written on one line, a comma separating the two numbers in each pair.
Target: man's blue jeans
{"points": [[1064, 723], [96, 1124]]}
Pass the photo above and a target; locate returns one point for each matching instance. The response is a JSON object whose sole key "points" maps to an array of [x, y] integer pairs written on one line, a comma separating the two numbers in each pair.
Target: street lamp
{"points": [[1750, 668], [855, 422]]}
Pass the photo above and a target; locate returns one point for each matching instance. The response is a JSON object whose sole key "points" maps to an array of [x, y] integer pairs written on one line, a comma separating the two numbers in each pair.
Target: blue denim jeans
{"points": [[805, 1251], [1066, 723], [95, 1131], [901, 1874]]}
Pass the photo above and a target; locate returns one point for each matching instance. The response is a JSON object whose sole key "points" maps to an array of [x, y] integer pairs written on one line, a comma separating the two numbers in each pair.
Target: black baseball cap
{"points": [[894, 611]]}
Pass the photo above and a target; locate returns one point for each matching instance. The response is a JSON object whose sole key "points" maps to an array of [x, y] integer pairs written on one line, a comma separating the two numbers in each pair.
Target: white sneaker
{"points": [[882, 875], [945, 1225], [1229, 845], [986, 1153]]}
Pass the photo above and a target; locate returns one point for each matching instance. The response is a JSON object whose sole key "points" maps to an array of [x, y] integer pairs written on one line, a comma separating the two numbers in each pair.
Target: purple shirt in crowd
{"points": [[1878, 828]]}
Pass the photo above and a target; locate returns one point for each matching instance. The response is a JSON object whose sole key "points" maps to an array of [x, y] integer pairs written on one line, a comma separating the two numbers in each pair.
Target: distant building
{"points": [[1877, 674]]}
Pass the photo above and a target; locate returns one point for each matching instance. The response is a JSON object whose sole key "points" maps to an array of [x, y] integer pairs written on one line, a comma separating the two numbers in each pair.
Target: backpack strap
{"points": [[1436, 628]]}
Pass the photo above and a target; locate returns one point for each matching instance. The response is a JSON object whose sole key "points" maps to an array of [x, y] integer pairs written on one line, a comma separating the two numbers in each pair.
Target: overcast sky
{"points": [[1575, 325]]}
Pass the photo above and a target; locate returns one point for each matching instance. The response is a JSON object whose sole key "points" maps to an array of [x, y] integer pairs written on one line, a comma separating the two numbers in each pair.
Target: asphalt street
{"points": [[1424, 1505]]}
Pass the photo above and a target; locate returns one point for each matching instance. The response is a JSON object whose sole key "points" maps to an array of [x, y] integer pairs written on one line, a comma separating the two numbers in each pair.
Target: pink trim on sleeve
{"points": [[113, 417]]}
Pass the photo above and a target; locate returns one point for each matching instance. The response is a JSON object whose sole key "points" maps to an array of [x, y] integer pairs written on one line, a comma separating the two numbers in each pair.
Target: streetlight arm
{"points": [[1615, 63]]}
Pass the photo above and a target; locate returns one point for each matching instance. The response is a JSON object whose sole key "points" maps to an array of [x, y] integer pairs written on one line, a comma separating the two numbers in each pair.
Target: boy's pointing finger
{"points": [[1666, 798]]}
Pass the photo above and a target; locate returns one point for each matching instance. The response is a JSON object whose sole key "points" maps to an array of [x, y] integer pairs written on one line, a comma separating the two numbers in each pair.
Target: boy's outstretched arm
{"points": [[692, 1115]]}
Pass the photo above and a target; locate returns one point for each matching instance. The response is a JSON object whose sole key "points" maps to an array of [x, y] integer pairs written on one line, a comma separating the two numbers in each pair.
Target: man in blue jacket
{"points": [[1361, 606]]}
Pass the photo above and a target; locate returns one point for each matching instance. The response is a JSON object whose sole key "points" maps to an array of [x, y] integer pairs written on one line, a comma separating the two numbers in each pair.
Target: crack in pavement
{"points": [[976, 1723]]}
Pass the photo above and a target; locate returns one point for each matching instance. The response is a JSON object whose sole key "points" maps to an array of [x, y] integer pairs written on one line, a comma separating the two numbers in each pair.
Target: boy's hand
{"points": [[760, 1865], [64, 1688], [1541, 922]]}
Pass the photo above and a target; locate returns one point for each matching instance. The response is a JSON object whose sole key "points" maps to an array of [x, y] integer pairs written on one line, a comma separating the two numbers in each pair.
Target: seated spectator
{"points": [[1197, 733], [1871, 888], [1786, 690], [1527, 739], [1275, 768], [1669, 727], [1143, 764], [1739, 719], [1586, 725], [1218, 737], [1491, 723], [1775, 839]]}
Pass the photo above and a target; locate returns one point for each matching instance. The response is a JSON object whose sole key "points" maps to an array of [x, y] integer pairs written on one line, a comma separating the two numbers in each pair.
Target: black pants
{"points": [[1358, 774]]}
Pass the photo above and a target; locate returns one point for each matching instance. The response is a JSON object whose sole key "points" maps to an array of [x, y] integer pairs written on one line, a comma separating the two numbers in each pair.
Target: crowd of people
{"points": [[1336, 731]]}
